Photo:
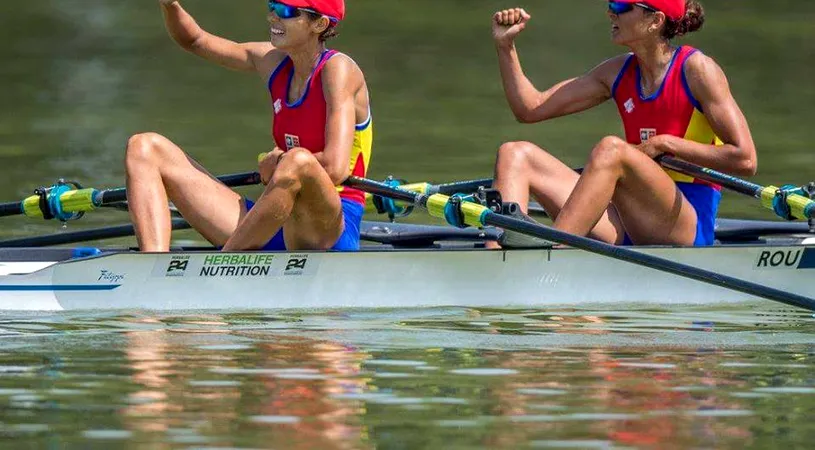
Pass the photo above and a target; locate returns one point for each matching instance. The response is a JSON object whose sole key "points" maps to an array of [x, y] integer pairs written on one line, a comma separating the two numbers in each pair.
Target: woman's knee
{"points": [[297, 164], [516, 153], [609, 152], [145, 147]]}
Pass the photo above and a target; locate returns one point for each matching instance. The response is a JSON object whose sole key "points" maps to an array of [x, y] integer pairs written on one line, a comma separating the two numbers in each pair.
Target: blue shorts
{"points": [[705, 200], [349, 240]]}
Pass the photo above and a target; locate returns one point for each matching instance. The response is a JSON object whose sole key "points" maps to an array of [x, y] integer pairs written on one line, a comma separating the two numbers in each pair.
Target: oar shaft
{"points": [[83, 200], [712, 176], [460, 187], [116, 231], [478, 215], [799, 206]]}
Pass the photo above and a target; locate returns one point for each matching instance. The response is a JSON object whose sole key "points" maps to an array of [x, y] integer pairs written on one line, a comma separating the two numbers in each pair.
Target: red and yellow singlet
{"points": [[671, 110], [302, 123]]}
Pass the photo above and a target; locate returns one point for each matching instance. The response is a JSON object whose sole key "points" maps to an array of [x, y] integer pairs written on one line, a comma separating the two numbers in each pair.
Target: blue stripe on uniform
{"points": [[58, 287], [808, 259]]}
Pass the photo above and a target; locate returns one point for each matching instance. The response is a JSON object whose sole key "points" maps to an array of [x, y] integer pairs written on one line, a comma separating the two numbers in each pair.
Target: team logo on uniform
{"points": [[292, 141], [629, 105], [647, 133], [278, 105]]}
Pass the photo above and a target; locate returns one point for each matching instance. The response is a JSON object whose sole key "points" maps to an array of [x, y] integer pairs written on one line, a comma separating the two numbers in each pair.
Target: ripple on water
{"points": [[394, 362], [572, 444], [484, 372], [220, 347], [275, 420], [537, 391], [107, 434], [393, 375], [458, 423], [644, 365], [214, 383], [786, 390], [721, 413], [262, 371]]}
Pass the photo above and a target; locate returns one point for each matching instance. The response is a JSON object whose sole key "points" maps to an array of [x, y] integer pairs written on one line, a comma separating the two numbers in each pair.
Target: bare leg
{"points": [[158, 170], [300, 198], [523, 167], [647, 200]]}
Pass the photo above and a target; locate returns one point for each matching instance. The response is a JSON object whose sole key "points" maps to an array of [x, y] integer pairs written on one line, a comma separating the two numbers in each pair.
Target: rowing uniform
{"points": [[671, 110], [302, 124]]}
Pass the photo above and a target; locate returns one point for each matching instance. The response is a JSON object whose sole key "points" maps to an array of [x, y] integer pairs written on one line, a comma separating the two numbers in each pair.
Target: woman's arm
{"points": [[342, 80], [185, 31], [709, 86], [568, 97]]}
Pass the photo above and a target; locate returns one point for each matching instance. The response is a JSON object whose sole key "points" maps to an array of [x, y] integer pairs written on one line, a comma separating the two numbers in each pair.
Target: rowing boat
{"points": [[415, 265], [402, 266]]}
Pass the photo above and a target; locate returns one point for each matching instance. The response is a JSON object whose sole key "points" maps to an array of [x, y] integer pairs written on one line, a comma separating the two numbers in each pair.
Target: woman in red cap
{"points": [[322, 133], [672, 99]]}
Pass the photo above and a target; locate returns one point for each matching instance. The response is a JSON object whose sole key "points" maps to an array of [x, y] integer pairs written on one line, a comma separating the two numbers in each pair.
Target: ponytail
{"points": [[692, 21]]}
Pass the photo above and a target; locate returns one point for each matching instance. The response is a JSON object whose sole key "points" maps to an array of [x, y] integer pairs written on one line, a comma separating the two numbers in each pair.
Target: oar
{"points": [[456, 187], [72, 237], [477, 215], [800, 207], [63, 199]]}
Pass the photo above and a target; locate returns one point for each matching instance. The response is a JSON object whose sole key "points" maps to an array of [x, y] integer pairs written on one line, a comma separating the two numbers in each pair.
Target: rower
{"points": [[322, 133], [672, 100]]}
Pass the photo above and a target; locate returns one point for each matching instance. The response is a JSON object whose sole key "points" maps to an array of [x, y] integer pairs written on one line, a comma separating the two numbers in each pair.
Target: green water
{"points": [[80, 76], [393, 379]]}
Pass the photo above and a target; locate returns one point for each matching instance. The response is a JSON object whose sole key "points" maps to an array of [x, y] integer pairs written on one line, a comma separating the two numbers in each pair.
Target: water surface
{"points": [[631, 377]]}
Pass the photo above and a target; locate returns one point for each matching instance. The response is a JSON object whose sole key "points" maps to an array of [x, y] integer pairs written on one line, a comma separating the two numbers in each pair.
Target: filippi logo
{"points": [[110, 277]]}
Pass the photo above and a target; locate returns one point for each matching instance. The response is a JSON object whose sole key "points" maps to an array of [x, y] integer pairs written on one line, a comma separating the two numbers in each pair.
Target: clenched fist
{"points": [[507, 24]]}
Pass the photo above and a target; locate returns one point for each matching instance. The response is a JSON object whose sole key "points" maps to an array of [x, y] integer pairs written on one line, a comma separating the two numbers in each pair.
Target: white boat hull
{"points": [[393, 278]]}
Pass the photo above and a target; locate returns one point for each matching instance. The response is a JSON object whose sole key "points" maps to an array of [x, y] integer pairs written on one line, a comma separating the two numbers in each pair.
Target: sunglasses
{"points": [[290, 12], [618, 8]]}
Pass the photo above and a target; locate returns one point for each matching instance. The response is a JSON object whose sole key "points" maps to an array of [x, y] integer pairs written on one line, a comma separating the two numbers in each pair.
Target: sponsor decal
{"points": [[785, 259], [292, 141], [647, 133], [629, 105], [177, 266], [278, 106], [297, 265], [237, 265], [106, 276]]}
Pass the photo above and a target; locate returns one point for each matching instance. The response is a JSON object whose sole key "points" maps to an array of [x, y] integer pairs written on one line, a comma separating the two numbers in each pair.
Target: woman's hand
{"points": [[657, 146], [268, 164], [507, 24], [166, 2]]}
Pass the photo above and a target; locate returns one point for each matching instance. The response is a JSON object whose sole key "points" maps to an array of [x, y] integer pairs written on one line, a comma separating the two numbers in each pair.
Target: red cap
{"points": [[331, 8], [674, 9]]}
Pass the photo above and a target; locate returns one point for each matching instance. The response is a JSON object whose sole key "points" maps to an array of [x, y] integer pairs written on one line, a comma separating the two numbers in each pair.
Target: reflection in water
{"points": [[281, 392], [446, 377]]}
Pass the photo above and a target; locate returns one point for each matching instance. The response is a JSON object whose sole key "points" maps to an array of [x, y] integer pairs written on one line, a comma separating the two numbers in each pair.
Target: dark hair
{"points": [[692, 21], [330, 32]]}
